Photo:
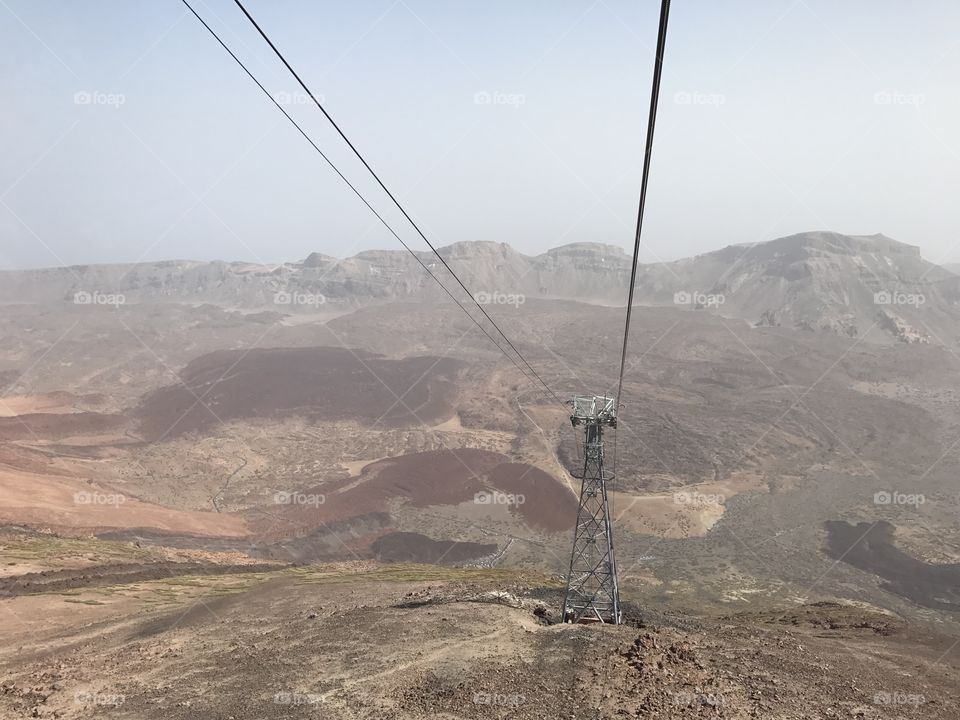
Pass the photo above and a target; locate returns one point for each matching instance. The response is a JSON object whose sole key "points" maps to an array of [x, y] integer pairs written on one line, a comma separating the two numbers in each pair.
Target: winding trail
{"points": [[223, 488], [546, 441]]}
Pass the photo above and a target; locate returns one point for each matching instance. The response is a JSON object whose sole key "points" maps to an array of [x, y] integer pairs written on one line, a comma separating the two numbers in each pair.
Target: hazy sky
{"points": [[128, 134]]}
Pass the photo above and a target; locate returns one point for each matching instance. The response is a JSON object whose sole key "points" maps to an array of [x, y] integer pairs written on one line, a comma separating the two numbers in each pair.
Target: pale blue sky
{"points": [[777, 117]]}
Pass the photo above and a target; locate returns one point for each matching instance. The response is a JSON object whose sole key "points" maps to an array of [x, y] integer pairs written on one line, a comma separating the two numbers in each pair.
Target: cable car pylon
{"points": [[593, 592]]}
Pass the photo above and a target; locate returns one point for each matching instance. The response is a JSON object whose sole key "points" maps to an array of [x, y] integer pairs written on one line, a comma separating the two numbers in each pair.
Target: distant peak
{"points": [[828, 241], [316, 259], [477, 247], [587, 247]]}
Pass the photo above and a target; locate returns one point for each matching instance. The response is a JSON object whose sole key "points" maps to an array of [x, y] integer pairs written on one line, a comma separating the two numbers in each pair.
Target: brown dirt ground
{"points": [[414, 643], [48, 500], [52, 402], [50, 426]]}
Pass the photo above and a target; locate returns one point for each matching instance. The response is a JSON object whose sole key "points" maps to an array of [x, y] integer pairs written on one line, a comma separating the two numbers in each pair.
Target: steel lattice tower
{"points": [[593, 593]]}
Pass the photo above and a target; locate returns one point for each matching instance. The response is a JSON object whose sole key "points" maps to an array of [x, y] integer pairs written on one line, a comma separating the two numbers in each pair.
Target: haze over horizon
{"points": [[356, 252], [130, 135]]}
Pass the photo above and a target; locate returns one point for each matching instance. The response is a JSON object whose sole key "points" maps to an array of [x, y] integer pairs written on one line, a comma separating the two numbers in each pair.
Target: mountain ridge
{"points": [[851, 285]]}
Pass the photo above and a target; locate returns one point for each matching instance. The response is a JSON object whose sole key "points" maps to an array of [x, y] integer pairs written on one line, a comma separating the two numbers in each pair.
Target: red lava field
{"points": [[315, 382], [436, 478]]}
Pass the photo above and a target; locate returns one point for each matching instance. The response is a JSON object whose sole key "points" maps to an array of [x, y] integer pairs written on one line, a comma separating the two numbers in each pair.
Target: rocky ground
{"points": [[402, 641]]}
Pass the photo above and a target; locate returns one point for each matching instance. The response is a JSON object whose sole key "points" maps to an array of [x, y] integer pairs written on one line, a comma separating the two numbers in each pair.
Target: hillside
{"points": [[361, 641], [853, 286]]}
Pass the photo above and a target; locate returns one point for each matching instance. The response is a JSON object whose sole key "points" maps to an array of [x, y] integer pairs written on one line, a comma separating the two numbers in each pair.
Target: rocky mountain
{"points": [[822, 281], [818, 281]]}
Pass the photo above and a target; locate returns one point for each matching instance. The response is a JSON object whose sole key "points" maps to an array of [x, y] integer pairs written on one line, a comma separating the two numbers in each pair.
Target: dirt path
{"points": [[561, 471], [226, 484]]}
